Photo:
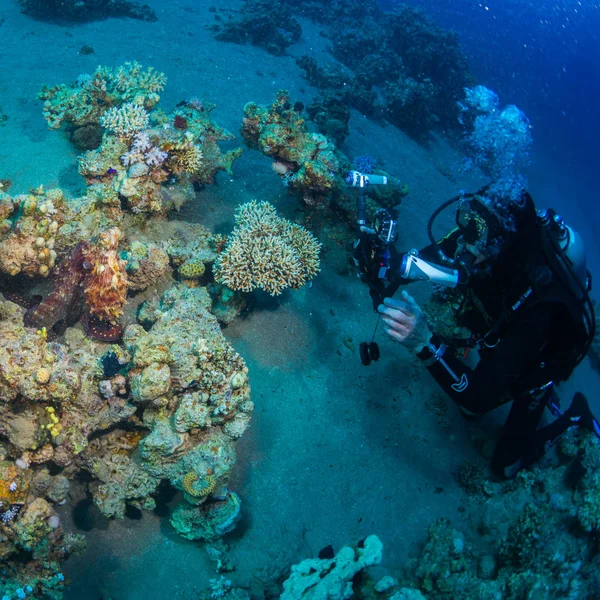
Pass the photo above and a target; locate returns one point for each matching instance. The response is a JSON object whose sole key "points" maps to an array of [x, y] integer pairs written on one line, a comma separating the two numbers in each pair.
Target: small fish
{"points": [[327, 552]]}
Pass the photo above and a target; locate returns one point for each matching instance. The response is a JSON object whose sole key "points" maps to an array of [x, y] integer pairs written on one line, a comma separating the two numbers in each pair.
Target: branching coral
{"points": [[267, 252], [126, 120]]}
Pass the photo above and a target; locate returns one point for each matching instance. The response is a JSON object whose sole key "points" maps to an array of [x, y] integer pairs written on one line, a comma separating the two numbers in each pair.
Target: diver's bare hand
{"points": [[405, 321]]}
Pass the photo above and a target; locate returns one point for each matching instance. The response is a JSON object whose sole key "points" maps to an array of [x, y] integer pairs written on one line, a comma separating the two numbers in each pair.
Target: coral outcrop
{"points": [[531, 536], [153, 161], [267, 252], [165, 406], [162, 403], [307, 162], [194, 393], [83, 102]]}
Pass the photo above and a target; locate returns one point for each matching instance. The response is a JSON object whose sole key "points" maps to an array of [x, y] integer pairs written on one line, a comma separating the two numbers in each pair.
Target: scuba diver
{"points": [[525, 300]]}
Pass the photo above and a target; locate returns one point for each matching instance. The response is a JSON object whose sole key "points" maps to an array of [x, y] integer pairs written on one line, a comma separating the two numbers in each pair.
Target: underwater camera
{"points": [[360, 180], [371, 251]]}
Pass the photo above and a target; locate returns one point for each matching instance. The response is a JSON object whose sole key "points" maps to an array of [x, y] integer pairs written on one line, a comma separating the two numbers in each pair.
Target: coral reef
{"points": [[307, 162], [155, 167], [265, 23], [267, 252], [532, 537], [165, 406], [162, 403], [90, 10], [417, 68], [194, 392]]}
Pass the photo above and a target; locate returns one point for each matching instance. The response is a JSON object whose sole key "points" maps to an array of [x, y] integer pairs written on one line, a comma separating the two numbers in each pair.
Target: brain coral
{"points": [[267, 252]]}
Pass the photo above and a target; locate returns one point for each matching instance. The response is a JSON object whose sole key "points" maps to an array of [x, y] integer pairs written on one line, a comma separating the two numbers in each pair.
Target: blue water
{"points": [[544, 57]]}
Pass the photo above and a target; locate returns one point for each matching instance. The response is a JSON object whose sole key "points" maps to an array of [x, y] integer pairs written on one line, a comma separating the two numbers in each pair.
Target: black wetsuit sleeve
{"points": [[500, 369]]}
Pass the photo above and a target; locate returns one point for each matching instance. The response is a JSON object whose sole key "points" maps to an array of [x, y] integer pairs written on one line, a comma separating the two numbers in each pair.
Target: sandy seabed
{"points": [[335, 451]]}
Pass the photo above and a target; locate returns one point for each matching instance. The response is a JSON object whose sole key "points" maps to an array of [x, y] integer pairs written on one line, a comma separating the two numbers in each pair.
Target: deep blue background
{"points": [[544, 57]]}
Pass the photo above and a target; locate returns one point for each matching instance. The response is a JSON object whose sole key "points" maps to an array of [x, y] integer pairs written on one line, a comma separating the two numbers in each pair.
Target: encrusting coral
{"points": [[267, 252]]}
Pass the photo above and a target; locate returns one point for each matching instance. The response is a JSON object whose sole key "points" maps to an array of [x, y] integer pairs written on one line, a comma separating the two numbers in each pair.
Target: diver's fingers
{"points": [[397, 316], [404, 329], [395, 335], [391, 306], [410, 302]]}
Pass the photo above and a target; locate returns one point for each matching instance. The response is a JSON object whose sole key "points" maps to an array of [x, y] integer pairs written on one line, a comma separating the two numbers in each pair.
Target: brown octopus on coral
{"points": [[90, 284]]}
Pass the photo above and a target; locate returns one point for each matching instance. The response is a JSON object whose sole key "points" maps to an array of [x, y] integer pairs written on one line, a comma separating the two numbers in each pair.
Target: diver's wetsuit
{"points": [[519, 362]]}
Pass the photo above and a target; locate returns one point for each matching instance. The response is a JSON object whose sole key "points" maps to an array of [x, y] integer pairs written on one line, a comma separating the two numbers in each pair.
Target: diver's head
{"points": [[495, 224]]}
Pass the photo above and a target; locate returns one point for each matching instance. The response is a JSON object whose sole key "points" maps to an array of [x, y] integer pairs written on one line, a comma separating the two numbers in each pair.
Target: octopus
{"points": [[90, 285]]}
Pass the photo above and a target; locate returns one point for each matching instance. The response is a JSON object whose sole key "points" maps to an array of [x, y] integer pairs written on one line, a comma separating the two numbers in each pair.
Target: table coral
{"points": [[267, 252]]}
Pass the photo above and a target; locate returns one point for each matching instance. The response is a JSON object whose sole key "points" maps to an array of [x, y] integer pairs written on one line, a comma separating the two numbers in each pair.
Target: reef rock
{"points": [[331, 578]]}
